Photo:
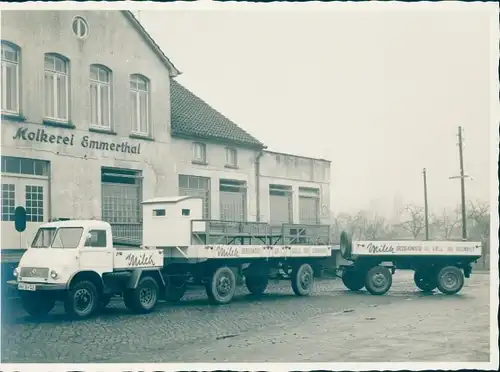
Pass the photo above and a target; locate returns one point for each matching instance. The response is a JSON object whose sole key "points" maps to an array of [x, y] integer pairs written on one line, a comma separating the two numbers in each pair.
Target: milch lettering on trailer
{"points": [[227, 251], [141, 260], [384, 248]]}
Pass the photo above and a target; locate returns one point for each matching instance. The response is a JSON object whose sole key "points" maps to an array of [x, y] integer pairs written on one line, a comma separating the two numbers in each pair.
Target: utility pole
{"points": [[462, 183], [426, 210]]}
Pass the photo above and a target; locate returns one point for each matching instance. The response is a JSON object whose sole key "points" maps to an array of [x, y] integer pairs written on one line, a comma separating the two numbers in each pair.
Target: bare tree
{"points": [[362, 225], [446, 222], [413, 219], [479, 215], [376, 228]]}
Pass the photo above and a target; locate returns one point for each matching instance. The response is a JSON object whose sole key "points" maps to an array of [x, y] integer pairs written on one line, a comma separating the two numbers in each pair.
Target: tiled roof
{"points": [[192, 117]]}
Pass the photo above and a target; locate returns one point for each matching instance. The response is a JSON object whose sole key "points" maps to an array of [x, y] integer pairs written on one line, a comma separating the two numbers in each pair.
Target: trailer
{"points": [[75, 261], [437, 264]]}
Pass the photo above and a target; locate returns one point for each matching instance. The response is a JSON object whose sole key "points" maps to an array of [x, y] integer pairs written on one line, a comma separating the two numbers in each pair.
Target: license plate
{"points": [[26, 287]]}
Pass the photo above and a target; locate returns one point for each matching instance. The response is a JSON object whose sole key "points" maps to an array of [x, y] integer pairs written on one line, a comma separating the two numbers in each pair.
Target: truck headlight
{"points": [[53, 274], [16, 272]]}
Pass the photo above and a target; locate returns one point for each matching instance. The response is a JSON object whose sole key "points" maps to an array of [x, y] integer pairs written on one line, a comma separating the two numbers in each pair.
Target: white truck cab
{"points": [[75, 261]]}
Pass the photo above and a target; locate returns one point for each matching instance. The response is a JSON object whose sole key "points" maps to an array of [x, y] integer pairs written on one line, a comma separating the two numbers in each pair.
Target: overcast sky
{"points": [[379, 93]]}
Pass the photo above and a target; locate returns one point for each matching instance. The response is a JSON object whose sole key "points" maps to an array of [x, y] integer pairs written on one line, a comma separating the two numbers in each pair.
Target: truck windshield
{"points": [[63, 237], [43, 238]]}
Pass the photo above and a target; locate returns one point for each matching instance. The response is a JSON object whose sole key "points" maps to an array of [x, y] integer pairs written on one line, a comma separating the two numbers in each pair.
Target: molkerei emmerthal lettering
{"points": [[40, 135]]}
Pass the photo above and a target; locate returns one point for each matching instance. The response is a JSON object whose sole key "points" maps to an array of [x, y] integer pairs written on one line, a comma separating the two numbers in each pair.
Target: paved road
{"points": [[332, 326]]}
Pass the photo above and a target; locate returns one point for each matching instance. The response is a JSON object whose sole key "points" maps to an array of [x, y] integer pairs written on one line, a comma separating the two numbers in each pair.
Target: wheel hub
{"points": [[223, 285], [379, 280], [146, 296], [305, 280], [450, 280], [83, 300]]}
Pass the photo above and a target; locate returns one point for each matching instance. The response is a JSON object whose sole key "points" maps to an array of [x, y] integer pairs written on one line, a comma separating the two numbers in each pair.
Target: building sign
{"points": [[41, 136]]}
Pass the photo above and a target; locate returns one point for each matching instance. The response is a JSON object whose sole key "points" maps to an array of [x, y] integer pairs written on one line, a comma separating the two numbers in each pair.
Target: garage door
{"points": [[121, 204], [232, 200], [309, 206], [196, 186], [24, 183], [280, 204]]}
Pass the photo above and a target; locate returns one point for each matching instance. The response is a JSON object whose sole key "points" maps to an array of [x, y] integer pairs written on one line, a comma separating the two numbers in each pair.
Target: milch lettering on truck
{"points": [[141, 260]]}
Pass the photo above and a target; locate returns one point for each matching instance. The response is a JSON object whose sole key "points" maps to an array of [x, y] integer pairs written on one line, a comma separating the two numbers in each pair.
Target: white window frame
{"points": [[229, 152], [203, 149], [17, 50], [57, 73], [137, 103], [100, 83]]}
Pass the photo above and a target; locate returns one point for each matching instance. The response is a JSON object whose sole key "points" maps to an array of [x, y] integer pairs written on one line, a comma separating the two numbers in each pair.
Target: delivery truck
{"points": [[76, 262]]}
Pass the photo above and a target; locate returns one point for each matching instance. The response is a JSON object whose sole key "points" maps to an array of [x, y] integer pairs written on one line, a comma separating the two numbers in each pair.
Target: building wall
{"points": [[75, 188], [296, 172], [216, 169]]}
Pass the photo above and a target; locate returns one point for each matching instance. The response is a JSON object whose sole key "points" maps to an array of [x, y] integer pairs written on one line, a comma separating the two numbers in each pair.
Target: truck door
{"points": [[97, 252]]}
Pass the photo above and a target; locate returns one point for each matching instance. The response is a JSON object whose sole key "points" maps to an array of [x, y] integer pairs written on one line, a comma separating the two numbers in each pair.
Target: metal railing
{"points": [[226, 232]]}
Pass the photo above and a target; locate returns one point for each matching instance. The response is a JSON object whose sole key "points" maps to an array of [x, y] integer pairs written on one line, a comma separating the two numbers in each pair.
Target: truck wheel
{"points": [[82, 299], [450, 280], [425, 280], [378, 280], [37, 304], [221, 286], [144, 297], [256, 285], [353, 280], [302, 280]]}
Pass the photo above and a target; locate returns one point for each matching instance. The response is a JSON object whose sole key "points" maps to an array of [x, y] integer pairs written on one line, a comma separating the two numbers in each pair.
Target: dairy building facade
{"points": [[93, 122]]}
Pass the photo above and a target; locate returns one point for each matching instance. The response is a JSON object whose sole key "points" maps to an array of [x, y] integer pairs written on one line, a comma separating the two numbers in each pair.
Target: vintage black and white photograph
{"points": [[249, 183]]}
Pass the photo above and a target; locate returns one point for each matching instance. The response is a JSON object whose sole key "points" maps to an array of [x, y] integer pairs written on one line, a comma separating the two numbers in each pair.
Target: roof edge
{"points": [[219, 140], [156, 48], [297, 156]]}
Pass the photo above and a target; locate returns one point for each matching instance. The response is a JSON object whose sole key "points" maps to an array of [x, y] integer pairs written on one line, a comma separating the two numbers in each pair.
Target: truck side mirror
{"points": [[20, 219]]}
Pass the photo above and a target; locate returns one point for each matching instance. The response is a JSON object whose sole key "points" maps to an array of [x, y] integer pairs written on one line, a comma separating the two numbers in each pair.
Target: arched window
{"points": [[139, 94], [100, 96], [10, 78], [56, 87]]}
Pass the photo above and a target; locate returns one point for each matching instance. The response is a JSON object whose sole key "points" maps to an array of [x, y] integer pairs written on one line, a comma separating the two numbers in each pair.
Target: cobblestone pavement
{"points": [[333, 325]]}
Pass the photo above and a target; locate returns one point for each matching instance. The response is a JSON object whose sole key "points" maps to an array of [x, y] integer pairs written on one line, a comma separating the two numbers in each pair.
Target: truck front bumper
{"points": [[31, 287]]}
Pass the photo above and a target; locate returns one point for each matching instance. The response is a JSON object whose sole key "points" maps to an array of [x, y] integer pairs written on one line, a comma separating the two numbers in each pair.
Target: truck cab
{"points": [[75, 261], [61, 249]]}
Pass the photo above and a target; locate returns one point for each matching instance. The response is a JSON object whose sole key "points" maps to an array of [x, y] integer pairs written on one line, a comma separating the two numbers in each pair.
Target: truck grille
{"points": [[34, 272]]}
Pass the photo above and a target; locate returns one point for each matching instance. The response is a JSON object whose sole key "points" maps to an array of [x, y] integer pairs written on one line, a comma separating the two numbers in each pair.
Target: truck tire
{"points": [[450, 280], [37, 304], [353, 279], [256, 285], [302, 280], [144, 297], [82, 299], [378, 280], [345, 246], [425, 280], [221, 286]]}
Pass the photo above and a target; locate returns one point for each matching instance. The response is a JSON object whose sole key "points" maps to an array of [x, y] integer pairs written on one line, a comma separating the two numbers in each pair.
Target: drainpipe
{"points": [[257, 182]]}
